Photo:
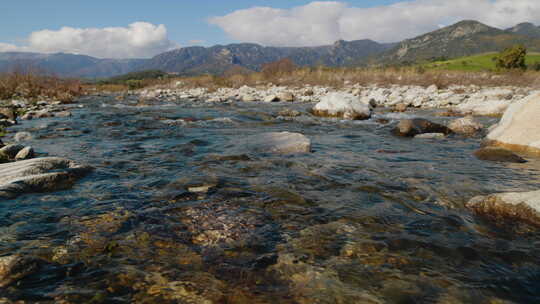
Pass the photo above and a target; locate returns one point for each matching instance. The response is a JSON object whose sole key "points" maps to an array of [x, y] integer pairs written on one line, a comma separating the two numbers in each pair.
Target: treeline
{"points": [[135, 80]]}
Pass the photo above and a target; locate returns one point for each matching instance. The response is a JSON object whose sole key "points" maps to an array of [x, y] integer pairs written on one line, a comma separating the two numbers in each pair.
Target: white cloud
{"points": [[7, 47], [138, 40], [324, 22]]}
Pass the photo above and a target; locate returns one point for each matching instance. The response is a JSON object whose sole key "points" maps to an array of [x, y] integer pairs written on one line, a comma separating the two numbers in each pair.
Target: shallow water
{"points": [[365, 218]]}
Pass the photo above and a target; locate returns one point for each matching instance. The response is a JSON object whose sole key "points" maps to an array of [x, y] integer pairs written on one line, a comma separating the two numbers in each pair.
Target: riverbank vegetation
{"points": [[34, 85], [340, 77]]}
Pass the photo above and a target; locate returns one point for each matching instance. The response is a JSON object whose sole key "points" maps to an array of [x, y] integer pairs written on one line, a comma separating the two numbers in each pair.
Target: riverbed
{"points": [[179, 209]]}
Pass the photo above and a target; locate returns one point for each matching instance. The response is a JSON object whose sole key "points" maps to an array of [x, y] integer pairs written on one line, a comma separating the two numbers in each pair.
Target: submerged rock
{"points": [[22, 136], [413, 127], [523, 206], [466, 126], [62, 114], [39, 175], [289, 113], [228, 223], [430, 136], [498, 155], [519, 129], [280, 142], [308, 282], [15, 267], [342, 105]]}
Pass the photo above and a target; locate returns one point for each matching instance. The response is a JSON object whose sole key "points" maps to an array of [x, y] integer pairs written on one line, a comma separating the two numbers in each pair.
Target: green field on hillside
{"points": [[475, 63]]}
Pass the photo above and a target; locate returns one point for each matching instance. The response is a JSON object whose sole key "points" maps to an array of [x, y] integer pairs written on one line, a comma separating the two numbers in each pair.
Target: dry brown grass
{"points": [[284, 74], [29, 84], [104, 88], [385, 77]]}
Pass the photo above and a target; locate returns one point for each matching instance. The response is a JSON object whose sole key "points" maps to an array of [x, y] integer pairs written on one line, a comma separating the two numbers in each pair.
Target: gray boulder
{"points": [[271, 98], [286, 96], [413, 127], [39, 175], [8, 113], [10, 151], [26, 153], [466, 126]]}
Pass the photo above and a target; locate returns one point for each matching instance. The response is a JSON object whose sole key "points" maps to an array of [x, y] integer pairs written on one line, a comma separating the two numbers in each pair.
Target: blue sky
{"points": [[185, 20], [144, 28]]}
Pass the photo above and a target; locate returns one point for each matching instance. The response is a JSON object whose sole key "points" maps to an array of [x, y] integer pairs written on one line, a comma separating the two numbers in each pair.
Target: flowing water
{"points": [[180, 210]]}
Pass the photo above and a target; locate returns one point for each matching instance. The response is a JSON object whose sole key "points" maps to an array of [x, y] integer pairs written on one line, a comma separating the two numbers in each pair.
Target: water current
{"points": [[179, 209]]}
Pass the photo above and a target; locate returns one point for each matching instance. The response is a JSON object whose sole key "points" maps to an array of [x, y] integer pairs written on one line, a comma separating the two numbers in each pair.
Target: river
{"points": [[180, 210]]}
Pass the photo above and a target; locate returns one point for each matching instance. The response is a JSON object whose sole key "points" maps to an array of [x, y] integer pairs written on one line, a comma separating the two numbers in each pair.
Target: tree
{"points": [[511, 58]]}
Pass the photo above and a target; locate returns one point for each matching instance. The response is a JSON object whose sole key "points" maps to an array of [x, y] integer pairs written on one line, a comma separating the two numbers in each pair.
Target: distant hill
{"points": [[68, 65], [526, 29], [464, 38], [218, 59]]}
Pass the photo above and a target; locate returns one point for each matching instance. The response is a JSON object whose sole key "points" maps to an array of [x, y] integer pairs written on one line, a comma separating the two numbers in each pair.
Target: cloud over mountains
{"points": [[138, 40], [313, 24], [324, 22]]}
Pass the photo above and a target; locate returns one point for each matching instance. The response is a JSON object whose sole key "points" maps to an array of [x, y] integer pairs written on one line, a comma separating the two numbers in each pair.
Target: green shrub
{"points": [[134, 84], [511, 58]]}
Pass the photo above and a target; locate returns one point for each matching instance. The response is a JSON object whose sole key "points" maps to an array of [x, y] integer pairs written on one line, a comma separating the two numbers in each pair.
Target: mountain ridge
{"points": [[68, 65], [217, 59], [464, 38]]}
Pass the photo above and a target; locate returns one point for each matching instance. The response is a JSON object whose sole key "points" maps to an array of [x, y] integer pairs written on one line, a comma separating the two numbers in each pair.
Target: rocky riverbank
{"points": [[21, 168], [462, 99]]}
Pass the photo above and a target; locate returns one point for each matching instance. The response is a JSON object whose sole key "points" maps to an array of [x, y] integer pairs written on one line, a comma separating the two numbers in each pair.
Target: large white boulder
{"points": [[38, 175], [519, 128], [342, 105], [522, 206]]}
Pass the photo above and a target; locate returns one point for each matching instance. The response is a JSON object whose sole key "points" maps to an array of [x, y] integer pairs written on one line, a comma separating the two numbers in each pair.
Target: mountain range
{"points": [[461, 39], [464, 38]]}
